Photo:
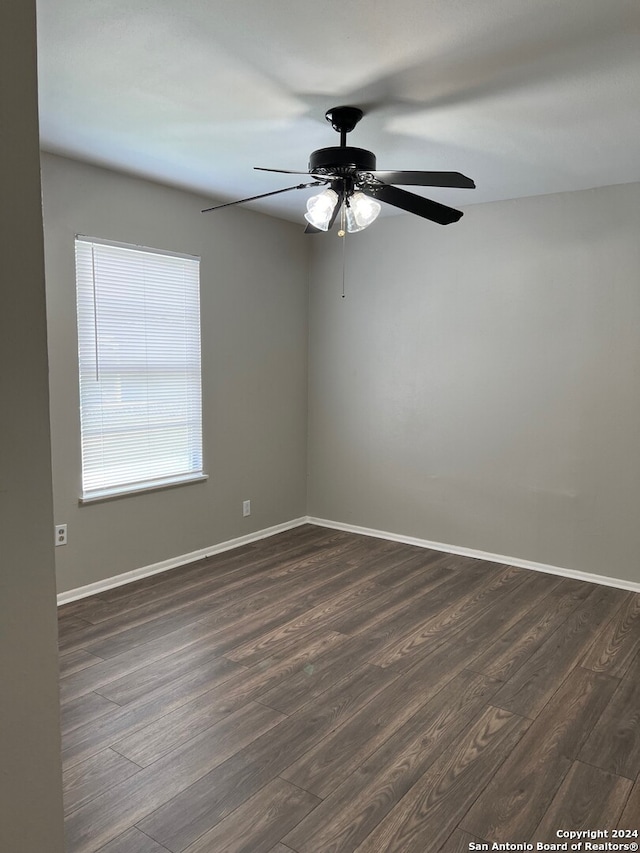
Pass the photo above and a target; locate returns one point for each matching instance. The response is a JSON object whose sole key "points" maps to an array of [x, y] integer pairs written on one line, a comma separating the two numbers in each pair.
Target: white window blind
{"points": [[139, 353]]}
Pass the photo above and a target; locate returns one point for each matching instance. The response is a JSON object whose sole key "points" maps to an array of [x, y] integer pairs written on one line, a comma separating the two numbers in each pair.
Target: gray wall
{"points": [[254, 356], [30, 775], [477, 387], [480, 384]]}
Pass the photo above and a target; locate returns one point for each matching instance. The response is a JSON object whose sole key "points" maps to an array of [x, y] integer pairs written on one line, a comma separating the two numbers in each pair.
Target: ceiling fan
{"points": [[354, 185]]}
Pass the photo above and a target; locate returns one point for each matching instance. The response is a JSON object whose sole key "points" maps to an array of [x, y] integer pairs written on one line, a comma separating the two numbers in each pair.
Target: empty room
{"points": [[320, 472]]}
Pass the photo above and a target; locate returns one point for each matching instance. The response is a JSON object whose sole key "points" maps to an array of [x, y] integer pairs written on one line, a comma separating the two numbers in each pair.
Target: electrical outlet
{"points": [[60, 534], [246, 508]]}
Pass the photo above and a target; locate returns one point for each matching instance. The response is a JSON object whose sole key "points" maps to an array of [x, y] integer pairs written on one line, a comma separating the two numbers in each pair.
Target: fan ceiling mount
{"points": [[356, 187]]}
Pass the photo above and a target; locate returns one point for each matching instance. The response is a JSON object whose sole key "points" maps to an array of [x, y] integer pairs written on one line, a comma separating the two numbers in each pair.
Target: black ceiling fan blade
{"points": [[311, 229], [426, 179], [281, 171], [263, 195], [413, 203]]}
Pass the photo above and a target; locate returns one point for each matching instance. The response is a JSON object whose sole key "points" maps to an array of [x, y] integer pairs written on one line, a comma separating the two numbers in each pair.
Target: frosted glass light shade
{"points": [[320, 209], [361, 212]]}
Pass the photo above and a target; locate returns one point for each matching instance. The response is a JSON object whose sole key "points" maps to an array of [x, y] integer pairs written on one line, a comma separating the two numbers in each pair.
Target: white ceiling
{"points": [[524, 96]]}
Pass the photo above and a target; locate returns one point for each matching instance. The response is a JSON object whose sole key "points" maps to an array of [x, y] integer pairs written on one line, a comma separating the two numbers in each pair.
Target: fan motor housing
{"points": [[343, 160]]}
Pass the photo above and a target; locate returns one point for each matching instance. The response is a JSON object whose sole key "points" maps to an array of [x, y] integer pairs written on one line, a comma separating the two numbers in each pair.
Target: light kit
{"points": [[360, 211]]}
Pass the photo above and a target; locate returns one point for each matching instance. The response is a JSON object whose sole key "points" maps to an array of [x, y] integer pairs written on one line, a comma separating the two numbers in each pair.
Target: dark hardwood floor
{"points": [[321, 691]]}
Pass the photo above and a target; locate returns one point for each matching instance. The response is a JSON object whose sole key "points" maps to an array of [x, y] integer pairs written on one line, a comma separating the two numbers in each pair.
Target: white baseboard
{"points": [[174, 562], [480, 555], [184, 559]]}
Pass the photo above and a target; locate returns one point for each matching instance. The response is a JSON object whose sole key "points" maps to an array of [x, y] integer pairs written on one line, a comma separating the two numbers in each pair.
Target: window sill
{"points": [[139, 489]]}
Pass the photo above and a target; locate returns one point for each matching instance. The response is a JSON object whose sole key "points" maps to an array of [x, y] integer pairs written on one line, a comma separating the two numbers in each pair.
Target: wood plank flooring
{"points": [[324, 692]]}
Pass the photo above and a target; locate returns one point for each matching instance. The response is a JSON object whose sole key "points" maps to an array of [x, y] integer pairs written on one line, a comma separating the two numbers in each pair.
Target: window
{"points": [[139, 354]]}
